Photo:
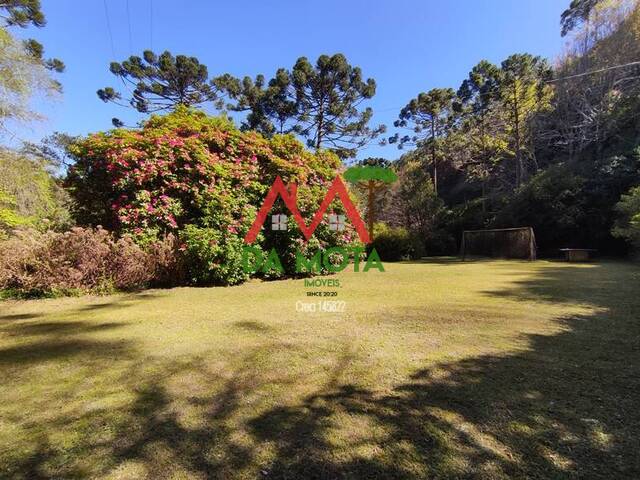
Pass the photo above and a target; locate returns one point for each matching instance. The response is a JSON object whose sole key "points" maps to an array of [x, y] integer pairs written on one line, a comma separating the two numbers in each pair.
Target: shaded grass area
{"points": [[437, 369]]}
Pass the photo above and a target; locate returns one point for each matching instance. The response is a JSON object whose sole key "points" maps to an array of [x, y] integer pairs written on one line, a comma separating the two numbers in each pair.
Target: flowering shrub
{"points": [[212, 257], [180, 168], [80, 261], [198, 177]]}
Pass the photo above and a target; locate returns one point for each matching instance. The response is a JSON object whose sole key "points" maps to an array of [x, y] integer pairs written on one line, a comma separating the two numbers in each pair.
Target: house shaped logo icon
{"points": [[289, 196]]}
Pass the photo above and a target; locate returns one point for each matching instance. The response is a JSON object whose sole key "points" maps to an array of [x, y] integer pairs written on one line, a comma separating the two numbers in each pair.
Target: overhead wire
{"points": [[129, 28], [106, 16]]}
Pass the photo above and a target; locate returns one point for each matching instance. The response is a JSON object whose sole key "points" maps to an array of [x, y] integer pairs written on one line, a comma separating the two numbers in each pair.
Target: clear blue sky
{"points": [[406, 46]]}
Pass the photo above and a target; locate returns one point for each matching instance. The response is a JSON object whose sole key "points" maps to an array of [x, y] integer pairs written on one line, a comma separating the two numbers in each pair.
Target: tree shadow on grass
{"points": [[33, 353], [112, 303], [155, 434], [19, 316], [39, 367], [564, 408], [44, 340], [252, 326], [57, 328], [443, 260]]}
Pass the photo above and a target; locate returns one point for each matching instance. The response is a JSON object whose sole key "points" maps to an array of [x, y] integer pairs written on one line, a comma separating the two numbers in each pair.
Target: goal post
{"points": [[500, 243]]}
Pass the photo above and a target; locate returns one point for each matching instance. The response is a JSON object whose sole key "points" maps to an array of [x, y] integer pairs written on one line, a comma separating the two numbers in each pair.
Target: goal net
{"points": [[501, 243]]}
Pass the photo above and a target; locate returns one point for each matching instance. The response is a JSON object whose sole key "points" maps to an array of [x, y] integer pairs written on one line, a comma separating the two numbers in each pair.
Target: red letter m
{"points": [[289, 197]]}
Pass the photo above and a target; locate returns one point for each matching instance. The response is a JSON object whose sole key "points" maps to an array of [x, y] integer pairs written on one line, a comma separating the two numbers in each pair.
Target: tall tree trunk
{"points": [[516, 131], [484, 193], [433, 157], [320, 125], [370, 207], [485, 161]]}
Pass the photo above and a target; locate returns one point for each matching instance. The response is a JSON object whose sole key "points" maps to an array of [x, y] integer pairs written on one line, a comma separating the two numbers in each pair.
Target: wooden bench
{"points": [[577, 254]]}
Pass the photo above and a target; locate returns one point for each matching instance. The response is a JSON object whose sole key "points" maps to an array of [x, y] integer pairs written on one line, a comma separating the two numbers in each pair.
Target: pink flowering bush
{"points": [[200, 178]]}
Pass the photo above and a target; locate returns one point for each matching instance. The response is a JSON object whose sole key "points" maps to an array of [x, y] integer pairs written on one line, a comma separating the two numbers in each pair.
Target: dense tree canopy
{"points": [[198, 177], [430, 116], [22, 78], [320, 102], [628, 224], [577, 13], [29, 194], [523, 93], [23, 13], [522, 144], [24, 72], [517, 143], [160, 82], [270, 106]]}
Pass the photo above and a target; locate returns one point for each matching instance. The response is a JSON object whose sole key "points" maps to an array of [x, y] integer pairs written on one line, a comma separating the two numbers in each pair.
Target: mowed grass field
{"points": [[439, 369]]}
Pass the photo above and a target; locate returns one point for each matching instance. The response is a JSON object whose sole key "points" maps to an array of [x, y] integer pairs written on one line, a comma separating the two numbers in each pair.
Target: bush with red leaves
{"points": [[83, 260]]}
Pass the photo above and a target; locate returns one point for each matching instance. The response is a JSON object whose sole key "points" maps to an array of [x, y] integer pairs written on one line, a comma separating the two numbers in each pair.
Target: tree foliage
{"points": [[52, 150], [24, 72], [30, 195], [577, 13], [481, 141], [523, 93], [627, 225], [413, 204], [202, 179], [270, 106], [23, 13], [160, 82], [430, 116], [522, 144], [21, 78], [320, 102]]}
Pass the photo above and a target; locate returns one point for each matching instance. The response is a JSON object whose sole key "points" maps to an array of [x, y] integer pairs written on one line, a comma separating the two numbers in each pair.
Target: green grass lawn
{"points": [[488, 369]]}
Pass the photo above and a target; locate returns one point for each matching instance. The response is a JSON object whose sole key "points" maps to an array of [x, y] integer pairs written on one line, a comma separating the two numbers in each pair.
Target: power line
{"points": [[129, 26], [106, 16], [592, 72], [554, 80], [151, 22]]}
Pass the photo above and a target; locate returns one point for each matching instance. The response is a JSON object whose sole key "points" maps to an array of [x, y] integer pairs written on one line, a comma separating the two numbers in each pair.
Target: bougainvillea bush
{"points": [[200, 178]]}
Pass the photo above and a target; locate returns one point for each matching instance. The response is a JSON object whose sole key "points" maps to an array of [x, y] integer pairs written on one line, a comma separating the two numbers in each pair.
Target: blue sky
{"points": [[406, 46]]}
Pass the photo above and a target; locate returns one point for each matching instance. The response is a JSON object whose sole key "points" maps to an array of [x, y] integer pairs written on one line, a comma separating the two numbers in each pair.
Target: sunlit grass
{"points": [[492, 369]]}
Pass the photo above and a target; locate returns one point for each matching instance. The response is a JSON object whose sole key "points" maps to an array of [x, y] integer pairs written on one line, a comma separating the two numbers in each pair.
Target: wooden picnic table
{"points": [[577, 254]]}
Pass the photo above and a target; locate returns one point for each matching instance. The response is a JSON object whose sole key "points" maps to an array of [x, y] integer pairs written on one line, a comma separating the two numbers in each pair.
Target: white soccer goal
{"points": [[501, 243]]}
